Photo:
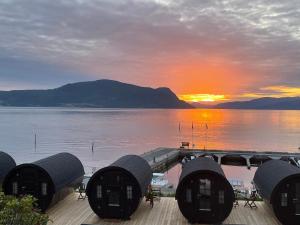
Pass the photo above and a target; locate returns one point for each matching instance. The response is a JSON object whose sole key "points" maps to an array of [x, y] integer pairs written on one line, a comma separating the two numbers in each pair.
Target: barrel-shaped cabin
{"points": [[278, 182], [48, 180], [116, 191], [204, 195], [7, 163]]}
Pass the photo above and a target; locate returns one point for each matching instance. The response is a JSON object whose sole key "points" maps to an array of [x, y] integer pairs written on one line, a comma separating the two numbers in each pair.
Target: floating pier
{"points": [[243, 158], [162, 159]]}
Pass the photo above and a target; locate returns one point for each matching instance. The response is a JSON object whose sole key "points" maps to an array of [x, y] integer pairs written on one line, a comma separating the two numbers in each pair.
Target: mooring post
{"points": [[35, 142], [219, 159], [248, 163]]}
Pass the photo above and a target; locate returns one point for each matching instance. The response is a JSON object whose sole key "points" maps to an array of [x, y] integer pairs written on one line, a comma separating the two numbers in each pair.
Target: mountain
{"points": [[100, 93], [263, 103]]}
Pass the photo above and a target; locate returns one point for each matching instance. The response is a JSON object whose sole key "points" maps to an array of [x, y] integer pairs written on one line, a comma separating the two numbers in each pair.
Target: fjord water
{"points": [[117, 132]]}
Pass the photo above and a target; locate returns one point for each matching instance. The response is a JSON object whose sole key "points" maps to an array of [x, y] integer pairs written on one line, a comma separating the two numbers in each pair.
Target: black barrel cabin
{"points": [[49, 179], [7, 163], [116, 191], [203, 194], [278, 182]]}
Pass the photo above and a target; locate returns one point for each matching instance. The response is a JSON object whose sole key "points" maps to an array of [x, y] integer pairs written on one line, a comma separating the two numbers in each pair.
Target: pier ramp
{"points": [[162, 159]]}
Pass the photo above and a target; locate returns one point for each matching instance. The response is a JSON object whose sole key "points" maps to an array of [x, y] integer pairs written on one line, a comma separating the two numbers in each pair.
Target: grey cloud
{"points": [[133, 39]]}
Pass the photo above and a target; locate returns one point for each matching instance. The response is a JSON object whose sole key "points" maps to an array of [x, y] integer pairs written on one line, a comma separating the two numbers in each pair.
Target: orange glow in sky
{"points": [[215, 80], [274, 91], [207, 80], [202, 97]]}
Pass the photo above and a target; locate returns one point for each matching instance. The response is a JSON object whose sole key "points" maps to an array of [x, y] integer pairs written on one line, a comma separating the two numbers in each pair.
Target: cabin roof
{"points": [[135, 165], [63, 168], [138, 167], [271, 173], [201, 164], [6, 164]]}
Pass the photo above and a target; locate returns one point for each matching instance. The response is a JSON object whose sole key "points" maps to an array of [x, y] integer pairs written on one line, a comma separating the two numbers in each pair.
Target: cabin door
{"points": [[113, 201], [114, 198], [296, 199], [28, 184], [204, 195]]}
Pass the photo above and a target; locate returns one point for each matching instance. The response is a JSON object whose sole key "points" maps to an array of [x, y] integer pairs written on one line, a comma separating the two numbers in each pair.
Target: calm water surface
{"points": [[116, 132]]}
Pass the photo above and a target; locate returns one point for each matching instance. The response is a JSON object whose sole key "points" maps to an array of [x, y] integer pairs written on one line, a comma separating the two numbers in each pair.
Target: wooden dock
{"points": [[243, 158], [162, 159], [71, 211]]}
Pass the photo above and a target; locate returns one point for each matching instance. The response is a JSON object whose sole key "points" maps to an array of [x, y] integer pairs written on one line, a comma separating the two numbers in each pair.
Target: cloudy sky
{"points": [[201, 49]]}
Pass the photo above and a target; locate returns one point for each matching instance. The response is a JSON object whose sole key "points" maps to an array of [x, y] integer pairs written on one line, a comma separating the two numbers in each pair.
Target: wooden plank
{"points": [[71, 211]]}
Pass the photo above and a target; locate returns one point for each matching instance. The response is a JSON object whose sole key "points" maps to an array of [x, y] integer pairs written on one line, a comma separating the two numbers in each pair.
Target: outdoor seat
{"points": [[236, 202], [150, 198], [153, 194], [250, 201], [156, 193], [81, 191]]}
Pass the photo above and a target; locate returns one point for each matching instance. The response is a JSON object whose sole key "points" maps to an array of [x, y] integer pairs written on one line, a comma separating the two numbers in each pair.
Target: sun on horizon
{"points": [[205, 98]]}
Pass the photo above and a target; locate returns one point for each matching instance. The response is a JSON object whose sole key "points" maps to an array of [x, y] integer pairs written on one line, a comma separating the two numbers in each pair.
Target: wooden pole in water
{"points": [[206, 128], [35, 142], [93, 147], [192, 134], [179, 130]]}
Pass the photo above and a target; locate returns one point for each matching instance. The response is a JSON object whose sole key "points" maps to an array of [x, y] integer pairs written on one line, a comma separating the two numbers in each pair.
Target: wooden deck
{"points": [[71, 211]]}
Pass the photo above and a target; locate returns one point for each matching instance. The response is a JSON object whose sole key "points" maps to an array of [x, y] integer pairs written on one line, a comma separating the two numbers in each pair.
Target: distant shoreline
{"points": [[266, 103], [124, 108], [115, 94]]}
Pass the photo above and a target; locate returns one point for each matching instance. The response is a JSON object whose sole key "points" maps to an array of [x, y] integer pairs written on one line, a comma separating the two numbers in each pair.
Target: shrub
{"points": [[20, 211]]}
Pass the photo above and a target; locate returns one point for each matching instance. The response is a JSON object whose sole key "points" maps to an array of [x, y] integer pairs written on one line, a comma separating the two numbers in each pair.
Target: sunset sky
{"points": [[204, 50]]}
